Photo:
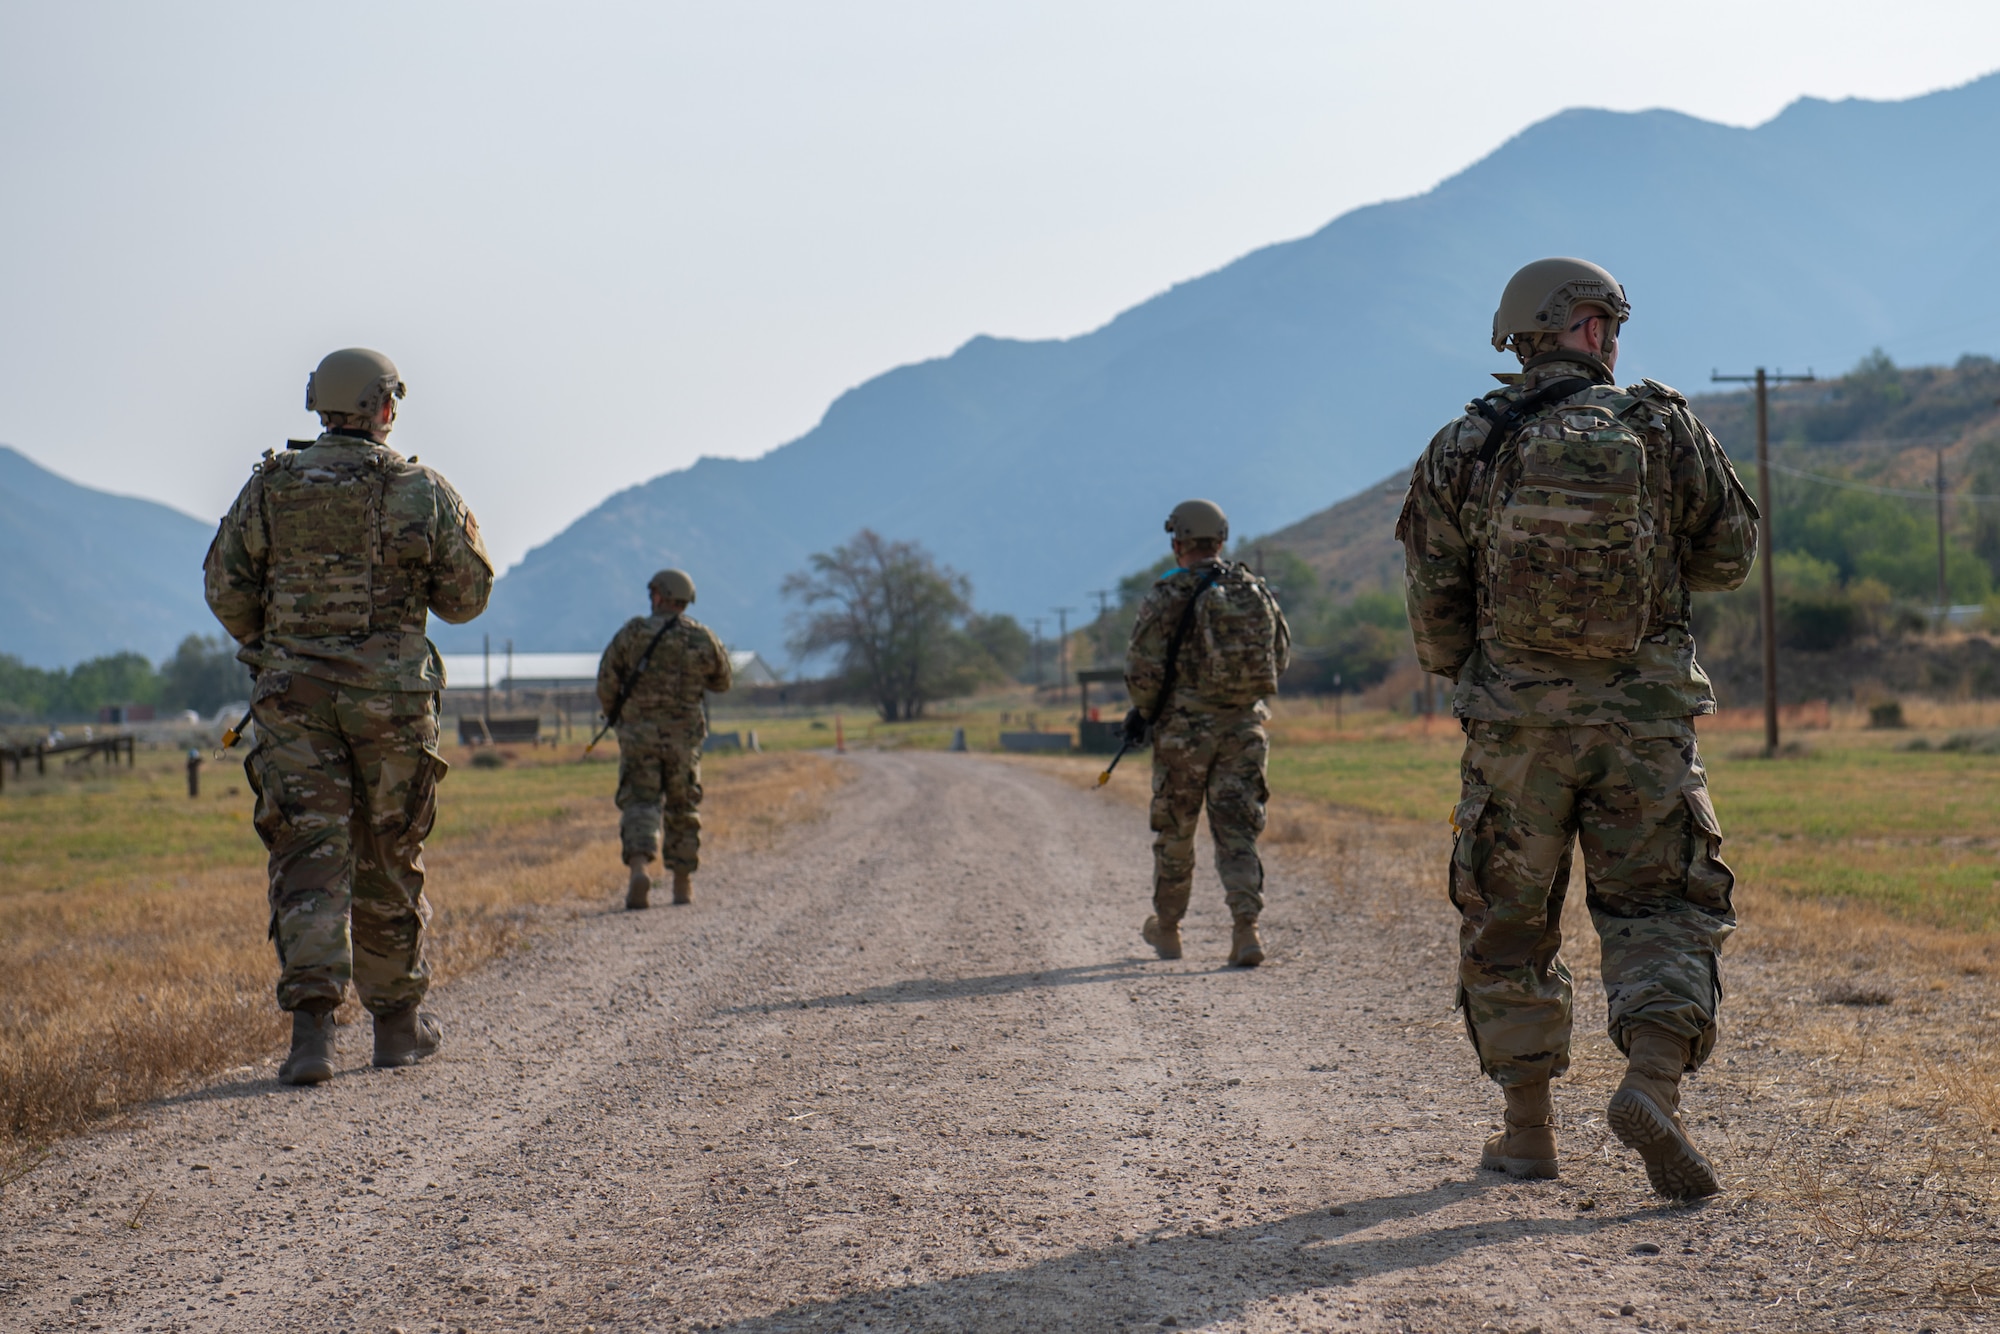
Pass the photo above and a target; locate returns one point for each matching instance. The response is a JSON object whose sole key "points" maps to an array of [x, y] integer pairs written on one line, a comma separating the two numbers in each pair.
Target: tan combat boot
{"points": [[1164, 937], [1645, 1114], [638, 886], [311, 1057], [1527, 1147], [406, 1036], [1245, 949], [683, 886]]}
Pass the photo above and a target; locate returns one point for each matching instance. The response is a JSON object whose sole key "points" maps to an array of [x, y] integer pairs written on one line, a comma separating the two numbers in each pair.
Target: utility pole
{"points": [[1036, 621], [1769, 597], [1944, 597], [1062, 653], [486, 670], [1100, 629]]}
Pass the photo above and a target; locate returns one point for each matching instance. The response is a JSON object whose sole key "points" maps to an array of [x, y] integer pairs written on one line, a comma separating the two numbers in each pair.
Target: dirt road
{"points": [[912, 1070]]}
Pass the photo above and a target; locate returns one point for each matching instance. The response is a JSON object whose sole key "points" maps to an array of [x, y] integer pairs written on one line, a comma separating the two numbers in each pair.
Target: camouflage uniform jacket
{"points": [[1706, 544], [689, 662], [1153, 628], [332, 556]]}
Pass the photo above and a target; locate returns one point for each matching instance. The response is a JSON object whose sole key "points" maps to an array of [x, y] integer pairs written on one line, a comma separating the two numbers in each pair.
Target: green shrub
{"points": [[1818, 622], [1886, 716]]}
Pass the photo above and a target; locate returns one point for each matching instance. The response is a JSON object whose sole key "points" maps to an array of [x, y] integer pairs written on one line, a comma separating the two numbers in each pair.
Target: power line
{"points": [[1904, 493], [1881, 442]]}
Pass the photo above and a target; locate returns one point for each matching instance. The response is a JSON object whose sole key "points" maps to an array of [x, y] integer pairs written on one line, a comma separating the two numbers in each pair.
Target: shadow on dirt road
{"points": [[1324, 1253]]}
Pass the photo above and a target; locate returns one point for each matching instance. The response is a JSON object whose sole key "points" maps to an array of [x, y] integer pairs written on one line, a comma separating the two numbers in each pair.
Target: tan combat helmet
{"points": [[1541, 296], [673, 584], [354, 380], [1198, 521]]}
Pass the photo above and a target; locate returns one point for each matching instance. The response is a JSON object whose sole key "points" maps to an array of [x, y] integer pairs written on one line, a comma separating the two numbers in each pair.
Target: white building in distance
{"points": [[568, 671]]}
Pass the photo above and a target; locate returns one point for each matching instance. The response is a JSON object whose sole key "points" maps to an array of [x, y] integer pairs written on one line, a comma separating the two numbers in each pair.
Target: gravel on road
{"points": [[909, 1069]]}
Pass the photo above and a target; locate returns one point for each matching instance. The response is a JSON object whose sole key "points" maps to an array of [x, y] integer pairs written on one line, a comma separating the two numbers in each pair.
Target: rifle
{"points": [[1134, 735], [625, 686]]}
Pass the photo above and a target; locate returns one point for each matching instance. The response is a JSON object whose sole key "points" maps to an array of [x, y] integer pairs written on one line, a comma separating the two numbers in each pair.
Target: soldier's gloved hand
{"points": [[1135, 728]]}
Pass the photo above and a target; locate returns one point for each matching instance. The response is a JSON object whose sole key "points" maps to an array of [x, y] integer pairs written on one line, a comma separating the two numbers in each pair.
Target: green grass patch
{"points": [[1850, 791], [1402, 778], [1940, 885], [1916, 833]]}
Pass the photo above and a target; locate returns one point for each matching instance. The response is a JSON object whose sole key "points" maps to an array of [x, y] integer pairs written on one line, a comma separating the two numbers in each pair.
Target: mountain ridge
{"points": [[1306, 369], [85, 572], [1301, 372]]}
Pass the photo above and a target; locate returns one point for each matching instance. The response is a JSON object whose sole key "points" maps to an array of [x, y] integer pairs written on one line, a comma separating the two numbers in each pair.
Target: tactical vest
{"points": [[350, 544], [1574, 517], [1233, 644]]}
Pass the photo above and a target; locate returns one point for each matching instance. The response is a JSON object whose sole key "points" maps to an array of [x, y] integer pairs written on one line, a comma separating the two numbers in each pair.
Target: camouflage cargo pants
{"points": [[346, 785], [1636, 797], [1217, 759], [659, 783]]}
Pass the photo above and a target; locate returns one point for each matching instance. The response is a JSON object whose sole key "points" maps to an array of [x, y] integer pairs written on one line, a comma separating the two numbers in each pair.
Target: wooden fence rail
{"points": [[80, 752]]}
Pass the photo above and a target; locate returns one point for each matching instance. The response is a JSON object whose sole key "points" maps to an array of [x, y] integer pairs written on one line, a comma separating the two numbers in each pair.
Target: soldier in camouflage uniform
{"points": [[651, 680], [1229, 644], [324, 571], [1553, 535]]}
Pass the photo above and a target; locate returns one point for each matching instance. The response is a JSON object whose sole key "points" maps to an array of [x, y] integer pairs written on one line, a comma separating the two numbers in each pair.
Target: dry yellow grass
{"points": [[132, 919]]}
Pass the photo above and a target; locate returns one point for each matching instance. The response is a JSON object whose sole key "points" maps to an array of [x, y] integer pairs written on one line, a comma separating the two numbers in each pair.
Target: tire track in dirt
{"points": [[909, 1069]]}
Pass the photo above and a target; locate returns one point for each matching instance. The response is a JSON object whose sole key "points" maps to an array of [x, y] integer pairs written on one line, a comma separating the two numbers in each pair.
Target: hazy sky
{"points": [[604, 239]]}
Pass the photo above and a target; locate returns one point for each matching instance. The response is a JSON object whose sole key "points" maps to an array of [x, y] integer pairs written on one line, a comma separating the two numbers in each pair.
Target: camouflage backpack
{"points": [[1234, 644], [1572, 528]]}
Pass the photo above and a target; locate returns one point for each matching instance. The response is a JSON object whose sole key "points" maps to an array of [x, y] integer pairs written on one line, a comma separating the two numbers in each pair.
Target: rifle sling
{"points": [[1179, 638], [626, 686], [1504, 422]]}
